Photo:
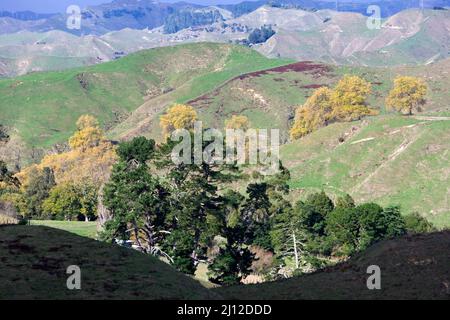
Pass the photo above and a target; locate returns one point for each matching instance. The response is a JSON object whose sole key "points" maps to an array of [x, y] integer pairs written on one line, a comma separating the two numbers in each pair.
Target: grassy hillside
{"points": [[269, 98], [392, 160], [81, 228], [43, 107], [127, 95], [413, 267], [403, 162], [35, 258]]}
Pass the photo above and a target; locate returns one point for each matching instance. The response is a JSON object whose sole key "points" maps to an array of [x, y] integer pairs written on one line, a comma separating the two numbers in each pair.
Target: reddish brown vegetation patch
{"points": [[303, 66], [315, 69]]}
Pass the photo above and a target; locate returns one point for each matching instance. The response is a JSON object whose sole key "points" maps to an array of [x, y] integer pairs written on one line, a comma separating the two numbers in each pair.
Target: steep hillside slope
{"points": [[391, 160], [26, 52], [409, 37], [269, 98], [43, 107], [413, 267], [34, 261]]}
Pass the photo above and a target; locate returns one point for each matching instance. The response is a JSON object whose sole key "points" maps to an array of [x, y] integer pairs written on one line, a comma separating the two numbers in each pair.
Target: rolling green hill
{"points": [[218, 79], [269, 98], [391, 160], [42, 108], [403, 162]]}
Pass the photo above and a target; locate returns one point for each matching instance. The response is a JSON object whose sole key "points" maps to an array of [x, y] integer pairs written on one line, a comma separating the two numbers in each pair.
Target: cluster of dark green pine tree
{"points": [[197, 213]]}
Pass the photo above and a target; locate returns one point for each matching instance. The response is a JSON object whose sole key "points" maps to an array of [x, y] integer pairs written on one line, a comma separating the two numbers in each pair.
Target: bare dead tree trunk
{"points": [[295, 250]]}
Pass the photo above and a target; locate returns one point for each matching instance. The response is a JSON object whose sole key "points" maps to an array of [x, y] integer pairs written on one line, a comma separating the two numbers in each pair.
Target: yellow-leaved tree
{"points": [[346, 102], [89, 159], [315, 113], [408, 94], [349, 99], [88, 133], [178, 116], [237, 122]]}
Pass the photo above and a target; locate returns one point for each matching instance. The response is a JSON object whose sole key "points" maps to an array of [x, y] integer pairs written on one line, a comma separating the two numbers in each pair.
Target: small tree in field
{"points": [[179, 116], [408, 95], [69, 201], [88, 134], [237, 122], [315, 113], [89, 159]]}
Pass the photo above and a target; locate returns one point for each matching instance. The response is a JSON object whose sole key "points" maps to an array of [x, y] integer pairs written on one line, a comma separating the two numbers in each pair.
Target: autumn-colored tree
{"points": [[88, 135], [87, 121], [237, 122], [178, 116], [346, 102], [408, 95], [349, 99], [89, 160], [316, 112]]}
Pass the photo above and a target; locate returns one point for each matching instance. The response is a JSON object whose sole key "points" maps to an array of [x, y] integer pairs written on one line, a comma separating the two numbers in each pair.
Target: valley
{"points": [[362, 165], [105, 168]]}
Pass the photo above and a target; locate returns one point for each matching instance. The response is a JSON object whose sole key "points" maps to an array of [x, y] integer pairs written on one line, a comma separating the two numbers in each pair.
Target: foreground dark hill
{"points": [[413, 267], [33, 263]]}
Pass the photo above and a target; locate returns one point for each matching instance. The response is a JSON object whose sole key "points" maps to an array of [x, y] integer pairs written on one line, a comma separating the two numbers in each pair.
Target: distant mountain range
{"points": [[409, 37], [141, 14]]}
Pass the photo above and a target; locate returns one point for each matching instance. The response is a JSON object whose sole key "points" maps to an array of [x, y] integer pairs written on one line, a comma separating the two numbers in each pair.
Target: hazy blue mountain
{"points": [[141, 14], [25, 15], [388, 7]]}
